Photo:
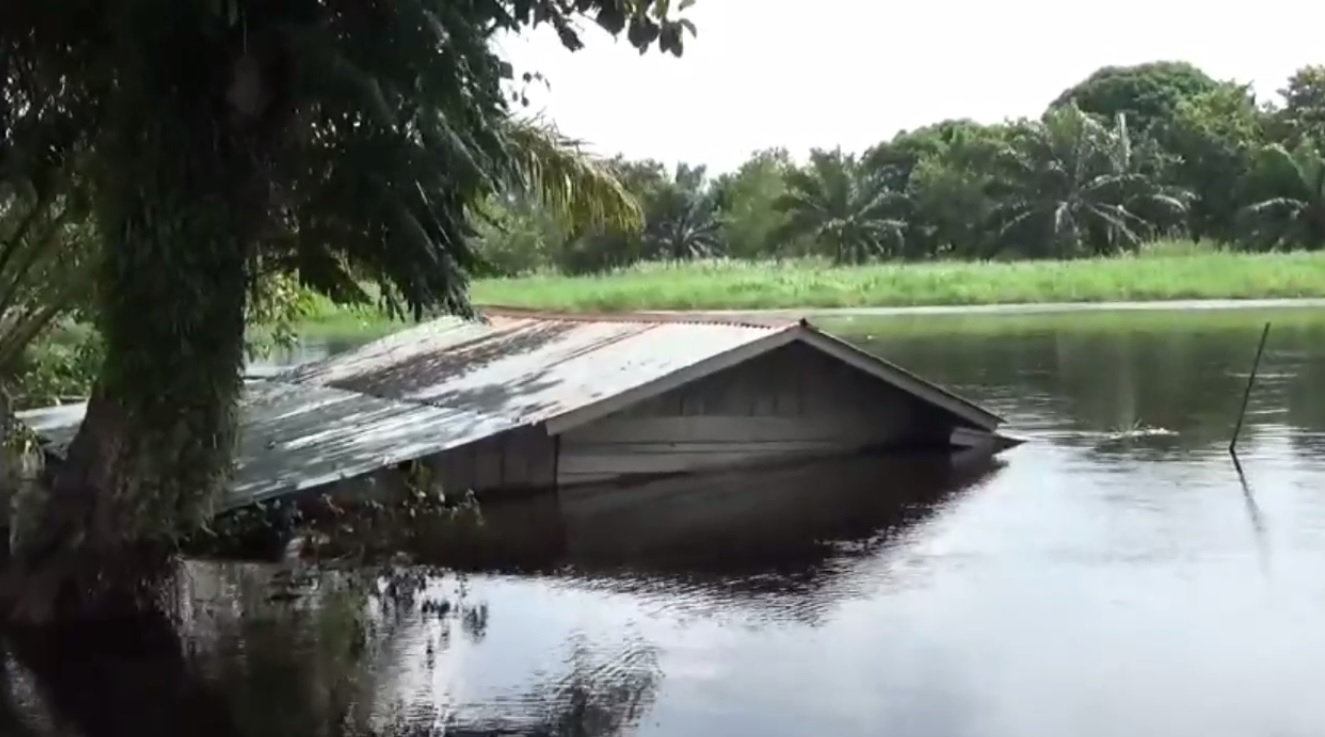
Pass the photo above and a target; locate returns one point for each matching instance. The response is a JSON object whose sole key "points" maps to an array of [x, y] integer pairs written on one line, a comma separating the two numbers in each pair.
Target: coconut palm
{"points": [[682, 217], [843, 206], [684, 227], [1295, 215], [1072, 186]]}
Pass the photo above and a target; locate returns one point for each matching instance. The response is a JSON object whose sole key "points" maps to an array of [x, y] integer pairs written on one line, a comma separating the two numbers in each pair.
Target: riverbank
{"points": [[1078, 320], [808, 285]]}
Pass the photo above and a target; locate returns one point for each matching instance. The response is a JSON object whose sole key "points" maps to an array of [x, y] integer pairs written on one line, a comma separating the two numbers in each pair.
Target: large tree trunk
{"points": [[180, 198], [155, 445]]}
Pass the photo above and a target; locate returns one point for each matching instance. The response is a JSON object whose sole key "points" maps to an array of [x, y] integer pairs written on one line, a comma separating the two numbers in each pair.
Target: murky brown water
{"points": [[1090, 584]]}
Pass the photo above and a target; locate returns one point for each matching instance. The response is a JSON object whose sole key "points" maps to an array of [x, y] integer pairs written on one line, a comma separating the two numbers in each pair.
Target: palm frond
{"points": [[577, 187]]}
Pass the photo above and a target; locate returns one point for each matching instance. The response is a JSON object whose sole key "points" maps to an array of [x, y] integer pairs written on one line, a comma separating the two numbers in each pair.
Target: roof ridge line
{"points": [[697, 317]]}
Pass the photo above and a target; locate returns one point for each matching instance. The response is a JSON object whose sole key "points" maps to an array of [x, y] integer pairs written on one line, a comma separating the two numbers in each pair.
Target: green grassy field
{"points": [[1168, 271], [1166, 274]]}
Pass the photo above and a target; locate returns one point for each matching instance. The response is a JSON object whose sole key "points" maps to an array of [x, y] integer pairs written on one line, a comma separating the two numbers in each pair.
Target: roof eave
{"points": [[585, 414], [891, 373]]}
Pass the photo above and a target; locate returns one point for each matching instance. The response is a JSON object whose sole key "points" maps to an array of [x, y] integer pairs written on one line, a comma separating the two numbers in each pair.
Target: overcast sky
{"points": [[804, 73]]}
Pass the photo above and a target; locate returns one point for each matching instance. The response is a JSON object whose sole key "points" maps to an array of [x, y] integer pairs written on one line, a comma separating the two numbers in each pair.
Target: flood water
{"points": [[1113, 576]]}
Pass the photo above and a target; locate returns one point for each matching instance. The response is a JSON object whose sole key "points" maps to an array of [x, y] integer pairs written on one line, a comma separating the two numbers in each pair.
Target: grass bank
{"points": [[1168, 273], [326, 321]]}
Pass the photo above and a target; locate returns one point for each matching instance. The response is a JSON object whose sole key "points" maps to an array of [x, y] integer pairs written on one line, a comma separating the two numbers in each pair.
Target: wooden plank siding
{"points": [[516, 460], [793, 401], [519, 459]]}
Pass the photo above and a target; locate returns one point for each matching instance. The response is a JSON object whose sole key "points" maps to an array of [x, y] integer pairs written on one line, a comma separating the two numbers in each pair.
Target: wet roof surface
{"points": [[531, 368], [299, 437]]}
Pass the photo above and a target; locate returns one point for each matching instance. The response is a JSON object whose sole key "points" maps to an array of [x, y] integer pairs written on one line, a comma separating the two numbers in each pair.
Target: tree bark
{"points": [[154, 447], [178, 203]]}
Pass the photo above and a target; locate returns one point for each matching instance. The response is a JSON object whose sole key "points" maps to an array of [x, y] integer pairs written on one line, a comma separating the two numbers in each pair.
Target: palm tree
{"points": [[577, 188], [553, 190], [1072, 186], [843, 206], [1295, 215], [682, 217], [47, 255]]}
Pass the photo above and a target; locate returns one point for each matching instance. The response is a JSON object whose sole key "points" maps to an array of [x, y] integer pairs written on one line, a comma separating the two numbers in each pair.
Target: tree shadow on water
{"points": [[130, 676], [245, 662]]}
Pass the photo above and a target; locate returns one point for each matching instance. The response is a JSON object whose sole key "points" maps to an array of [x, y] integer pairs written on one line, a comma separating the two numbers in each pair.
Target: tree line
{"points": [[1128, 155]]}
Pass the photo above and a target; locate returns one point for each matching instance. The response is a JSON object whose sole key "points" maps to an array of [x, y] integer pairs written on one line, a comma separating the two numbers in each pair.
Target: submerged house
{"points": [[539, 400]]}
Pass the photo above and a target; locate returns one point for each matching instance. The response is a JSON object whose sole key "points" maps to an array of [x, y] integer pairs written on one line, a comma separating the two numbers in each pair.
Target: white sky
{"points": [[804, 73]]}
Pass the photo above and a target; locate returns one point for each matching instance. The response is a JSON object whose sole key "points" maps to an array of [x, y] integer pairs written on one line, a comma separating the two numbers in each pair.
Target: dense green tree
{"points": [[1293, 215], [344, 140], [681, 216], [948, 192], [1213, 137], [1301, 119], [843, 207], [898, 157], [1147, 94], [750, 220], [518, 235]]}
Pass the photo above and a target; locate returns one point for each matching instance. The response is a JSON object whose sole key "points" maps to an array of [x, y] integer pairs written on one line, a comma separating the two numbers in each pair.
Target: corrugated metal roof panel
{"points": [[299, 437], [55, 425], [530, 368]]}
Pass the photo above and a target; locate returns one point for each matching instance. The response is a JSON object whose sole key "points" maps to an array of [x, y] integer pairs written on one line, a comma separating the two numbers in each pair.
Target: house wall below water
{"points": [[791, 402], [520, 459]]}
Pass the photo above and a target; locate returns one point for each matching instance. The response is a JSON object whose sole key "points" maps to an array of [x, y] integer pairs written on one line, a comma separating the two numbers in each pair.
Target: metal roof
{"points": [[527, 368], [562, 369], [299, 437]]}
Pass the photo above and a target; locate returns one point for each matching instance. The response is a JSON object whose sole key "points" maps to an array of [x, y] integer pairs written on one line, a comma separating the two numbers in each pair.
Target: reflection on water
{"points": [[1095, 582]]}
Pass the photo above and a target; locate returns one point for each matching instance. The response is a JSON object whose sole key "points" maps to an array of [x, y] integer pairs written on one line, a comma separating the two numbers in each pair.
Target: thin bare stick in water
{"points": [[1246, 395]]}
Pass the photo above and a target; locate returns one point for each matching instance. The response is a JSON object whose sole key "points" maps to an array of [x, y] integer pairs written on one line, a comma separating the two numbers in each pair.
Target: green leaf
{"points": [[611, 18], [643, 31]]}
